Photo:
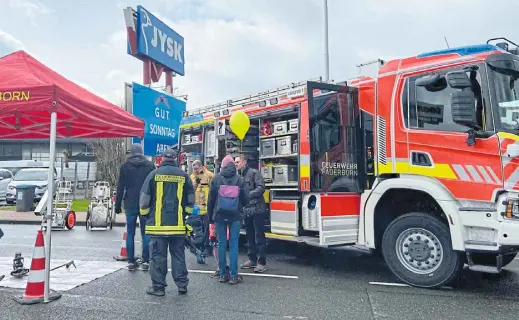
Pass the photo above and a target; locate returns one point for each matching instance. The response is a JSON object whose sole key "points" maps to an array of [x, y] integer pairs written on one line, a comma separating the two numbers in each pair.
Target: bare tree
{"points": [[110, 155]]}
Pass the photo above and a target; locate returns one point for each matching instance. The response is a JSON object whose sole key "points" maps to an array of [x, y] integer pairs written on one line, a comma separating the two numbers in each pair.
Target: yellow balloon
{"points": [[239, 123]]}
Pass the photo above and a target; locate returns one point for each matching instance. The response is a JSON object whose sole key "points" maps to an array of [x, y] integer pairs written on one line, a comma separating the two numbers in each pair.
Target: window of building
{"points": [[428, 107]]}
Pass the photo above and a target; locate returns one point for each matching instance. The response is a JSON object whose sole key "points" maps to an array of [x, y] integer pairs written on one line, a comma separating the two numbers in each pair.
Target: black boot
{"points": [[155, 292]]}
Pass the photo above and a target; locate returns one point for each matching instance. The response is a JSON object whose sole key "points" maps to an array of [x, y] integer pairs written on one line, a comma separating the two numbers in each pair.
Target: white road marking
{"points": [[125, 240], [56, 247], [393, 284], [389, 284], [265, 275]]}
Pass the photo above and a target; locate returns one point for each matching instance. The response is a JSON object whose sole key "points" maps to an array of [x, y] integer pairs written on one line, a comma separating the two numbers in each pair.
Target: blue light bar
{"points": [[462, 51]]}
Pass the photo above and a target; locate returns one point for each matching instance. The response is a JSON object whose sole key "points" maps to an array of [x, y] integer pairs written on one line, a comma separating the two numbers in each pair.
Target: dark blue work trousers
{"points": [[159, 261]]}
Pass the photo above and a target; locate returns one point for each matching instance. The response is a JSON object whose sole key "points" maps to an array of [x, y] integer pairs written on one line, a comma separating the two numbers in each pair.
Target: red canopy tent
{"points": [[36, 102], [30, 92]]}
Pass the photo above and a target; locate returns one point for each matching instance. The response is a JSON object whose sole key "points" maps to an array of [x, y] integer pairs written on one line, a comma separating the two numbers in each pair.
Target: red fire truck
{"points": [[420, 164]]}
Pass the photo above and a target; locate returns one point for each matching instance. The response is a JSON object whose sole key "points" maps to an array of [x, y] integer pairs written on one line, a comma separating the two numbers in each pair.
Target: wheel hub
{"points": [[419, 250]]}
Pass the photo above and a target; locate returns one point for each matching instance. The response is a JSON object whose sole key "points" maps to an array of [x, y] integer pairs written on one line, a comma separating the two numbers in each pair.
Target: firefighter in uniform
{"points": [[201, 179], [167, 196]]}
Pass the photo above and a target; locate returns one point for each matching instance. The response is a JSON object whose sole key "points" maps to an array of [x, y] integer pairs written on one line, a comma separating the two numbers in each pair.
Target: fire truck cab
{"points": [[420, 164]]}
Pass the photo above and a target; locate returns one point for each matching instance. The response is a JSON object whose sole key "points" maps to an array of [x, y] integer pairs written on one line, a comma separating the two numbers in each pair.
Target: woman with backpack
{"points": [[227, 197]]}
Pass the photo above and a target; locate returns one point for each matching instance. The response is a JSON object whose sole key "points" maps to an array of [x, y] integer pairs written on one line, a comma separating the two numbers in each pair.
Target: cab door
{"points": [[337, 173], [440, 148]]}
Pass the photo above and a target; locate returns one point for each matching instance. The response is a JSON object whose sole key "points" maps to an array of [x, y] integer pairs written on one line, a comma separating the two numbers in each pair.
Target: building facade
{"points": [[38, 149]]}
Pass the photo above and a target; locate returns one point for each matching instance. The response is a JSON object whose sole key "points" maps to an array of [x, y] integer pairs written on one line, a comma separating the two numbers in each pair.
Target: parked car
{"points": [[33, 176], [5, 178]]}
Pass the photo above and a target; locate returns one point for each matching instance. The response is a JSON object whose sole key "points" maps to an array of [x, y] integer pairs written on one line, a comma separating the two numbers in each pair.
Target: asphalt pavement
{"points": [[301, 283]]}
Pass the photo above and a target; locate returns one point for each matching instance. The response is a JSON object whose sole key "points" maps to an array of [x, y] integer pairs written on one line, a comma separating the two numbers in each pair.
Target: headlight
{"points": [[11, 188], [512, 208]]}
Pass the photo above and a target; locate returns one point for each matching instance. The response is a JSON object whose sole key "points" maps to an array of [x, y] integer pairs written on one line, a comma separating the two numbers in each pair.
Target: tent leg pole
{"points": [[50, 200]]}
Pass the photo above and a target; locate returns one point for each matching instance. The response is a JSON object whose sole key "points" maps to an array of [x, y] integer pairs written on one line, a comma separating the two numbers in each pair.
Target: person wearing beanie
{"points": [[228, 195], [131, 176], [167, 197]]}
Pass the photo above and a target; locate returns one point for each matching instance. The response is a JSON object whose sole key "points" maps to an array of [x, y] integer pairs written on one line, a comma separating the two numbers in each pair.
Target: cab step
{"points": [[485, 268]]}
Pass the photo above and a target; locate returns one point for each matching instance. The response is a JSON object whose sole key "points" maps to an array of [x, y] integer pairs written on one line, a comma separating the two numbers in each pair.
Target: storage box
{"points": [[295, 146], [280, 127], [268, 147], [284, 174], [284, 145], [293, 125], [266, 173], [210, 144]]}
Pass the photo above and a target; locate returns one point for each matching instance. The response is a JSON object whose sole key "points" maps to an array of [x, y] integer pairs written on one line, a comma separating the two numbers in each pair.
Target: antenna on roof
{"points": [[446, 42]]}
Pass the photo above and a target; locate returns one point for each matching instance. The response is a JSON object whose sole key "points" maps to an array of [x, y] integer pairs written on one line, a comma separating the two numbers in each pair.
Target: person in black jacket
{"points": [[228, 195], [255, 215], [131, 177], [167, 197]]}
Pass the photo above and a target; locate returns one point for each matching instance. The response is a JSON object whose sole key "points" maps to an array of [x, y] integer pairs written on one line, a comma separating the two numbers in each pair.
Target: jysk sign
{"points": [[159, 42], [162, 115]]}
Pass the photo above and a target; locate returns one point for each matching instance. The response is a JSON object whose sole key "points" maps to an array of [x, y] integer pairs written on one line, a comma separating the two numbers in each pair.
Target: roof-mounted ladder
{"points": [[252, 99]]}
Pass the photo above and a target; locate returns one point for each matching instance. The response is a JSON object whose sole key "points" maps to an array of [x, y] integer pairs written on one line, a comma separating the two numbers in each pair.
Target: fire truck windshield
{"points": [[505, 74]]}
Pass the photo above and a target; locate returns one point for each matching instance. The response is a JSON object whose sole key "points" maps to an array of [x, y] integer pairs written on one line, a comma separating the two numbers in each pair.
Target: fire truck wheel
{"points": [[417, 248]]}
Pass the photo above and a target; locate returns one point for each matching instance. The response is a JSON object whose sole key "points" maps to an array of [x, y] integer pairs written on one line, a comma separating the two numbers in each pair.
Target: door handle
{"points": [[421, 159]]}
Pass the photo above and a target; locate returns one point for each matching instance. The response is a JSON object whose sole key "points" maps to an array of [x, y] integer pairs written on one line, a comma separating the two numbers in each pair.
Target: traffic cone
{"points": [[35, 290], [123, 255]]}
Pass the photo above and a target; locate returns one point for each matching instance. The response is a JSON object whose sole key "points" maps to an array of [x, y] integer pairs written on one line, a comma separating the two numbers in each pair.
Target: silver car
{"points": [[33, 176], [5, 178]]}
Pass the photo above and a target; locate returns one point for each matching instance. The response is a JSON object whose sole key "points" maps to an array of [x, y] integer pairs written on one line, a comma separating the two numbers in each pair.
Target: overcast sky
{"points": [[239, 47]]}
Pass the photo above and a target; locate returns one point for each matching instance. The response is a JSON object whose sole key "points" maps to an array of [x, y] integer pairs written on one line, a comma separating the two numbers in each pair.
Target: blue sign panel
{"points": [[159, 42], [162, 115]]}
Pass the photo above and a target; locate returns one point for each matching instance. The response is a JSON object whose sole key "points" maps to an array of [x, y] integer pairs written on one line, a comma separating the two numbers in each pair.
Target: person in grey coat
{"points": [[255, 214]]}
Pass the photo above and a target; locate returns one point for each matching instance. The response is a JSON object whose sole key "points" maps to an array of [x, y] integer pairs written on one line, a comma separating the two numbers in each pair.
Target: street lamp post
{"points": [[326, 54]]}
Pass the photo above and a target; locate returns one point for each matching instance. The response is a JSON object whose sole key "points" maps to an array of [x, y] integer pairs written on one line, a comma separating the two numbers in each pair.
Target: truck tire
{"points": [[417, 248]]}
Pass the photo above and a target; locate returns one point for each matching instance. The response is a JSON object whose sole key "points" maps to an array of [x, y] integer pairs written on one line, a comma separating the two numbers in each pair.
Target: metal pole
{"points": [[50, 200], [326, 54], [75, 180], [169, 82], [146, 72], [87, 188]]}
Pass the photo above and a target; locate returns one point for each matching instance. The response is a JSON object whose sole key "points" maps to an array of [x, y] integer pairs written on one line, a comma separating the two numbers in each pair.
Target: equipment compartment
{"points": [[285, 174], [280, 127], [268, 147], [293, 126], [284, 145], [266, 173]]}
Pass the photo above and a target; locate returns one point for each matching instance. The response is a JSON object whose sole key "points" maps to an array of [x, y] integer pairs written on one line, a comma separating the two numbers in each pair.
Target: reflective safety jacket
{"points": [[203, 181], [167, 196]]}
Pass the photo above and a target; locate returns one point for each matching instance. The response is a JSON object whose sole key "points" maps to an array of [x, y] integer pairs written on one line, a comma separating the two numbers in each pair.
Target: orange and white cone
{"points": [[35, 289], [123, 255]]}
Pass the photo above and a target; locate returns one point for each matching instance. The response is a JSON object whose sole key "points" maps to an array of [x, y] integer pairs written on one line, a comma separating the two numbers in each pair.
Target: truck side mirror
{"points": [[427, 80], [463, 109], [458, 80]]}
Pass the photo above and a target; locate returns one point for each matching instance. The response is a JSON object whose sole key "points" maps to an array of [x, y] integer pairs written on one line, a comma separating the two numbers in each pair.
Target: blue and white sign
{"points": [[162, 115], [159, 42]]}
